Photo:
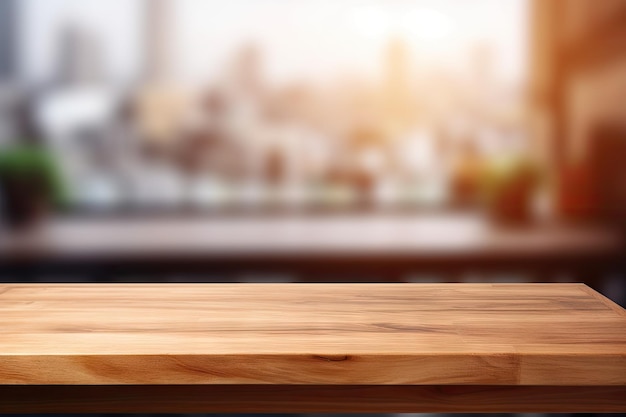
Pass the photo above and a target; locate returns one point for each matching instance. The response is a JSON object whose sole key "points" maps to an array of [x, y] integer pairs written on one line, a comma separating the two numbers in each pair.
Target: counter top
{"points": [[302, 348], [330, 334]]}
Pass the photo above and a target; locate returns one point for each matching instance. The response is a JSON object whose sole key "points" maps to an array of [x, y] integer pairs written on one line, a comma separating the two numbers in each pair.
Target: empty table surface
{"points": [[503, 334], [323, 336]]}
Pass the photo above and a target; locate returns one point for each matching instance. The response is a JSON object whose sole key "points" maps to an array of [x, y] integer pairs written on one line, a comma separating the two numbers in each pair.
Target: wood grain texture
{"points": [[310, 334]]}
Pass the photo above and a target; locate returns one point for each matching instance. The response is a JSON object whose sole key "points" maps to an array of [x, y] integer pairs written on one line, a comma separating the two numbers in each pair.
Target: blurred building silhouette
{"points": [[8, 39], [398, 87], [80, 57], [157, 39], [248, 69], [9, 71]]}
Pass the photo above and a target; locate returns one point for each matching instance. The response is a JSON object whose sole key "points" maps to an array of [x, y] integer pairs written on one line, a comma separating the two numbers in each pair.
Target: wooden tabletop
{"points": [[310, 348], [436, 334]]}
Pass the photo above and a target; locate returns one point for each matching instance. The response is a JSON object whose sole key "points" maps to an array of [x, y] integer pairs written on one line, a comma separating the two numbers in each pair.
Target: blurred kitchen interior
{"points": [[313, 140], [332, 141]]}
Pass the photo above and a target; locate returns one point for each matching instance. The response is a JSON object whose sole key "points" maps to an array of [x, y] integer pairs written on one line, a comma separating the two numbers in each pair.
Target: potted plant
{"points": [[30, 185], [509, 189]]}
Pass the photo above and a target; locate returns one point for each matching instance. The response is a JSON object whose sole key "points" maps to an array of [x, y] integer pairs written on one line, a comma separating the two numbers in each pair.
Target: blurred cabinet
{"points": [[580, 54]]}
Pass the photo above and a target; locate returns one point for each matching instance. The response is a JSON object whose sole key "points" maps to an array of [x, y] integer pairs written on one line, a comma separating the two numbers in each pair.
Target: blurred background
{"points": [[352, 140], [324, 141], [157, 105]]}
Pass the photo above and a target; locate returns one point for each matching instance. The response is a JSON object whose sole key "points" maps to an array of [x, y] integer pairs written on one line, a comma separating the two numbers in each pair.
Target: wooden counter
{"points": [[310, 347]]}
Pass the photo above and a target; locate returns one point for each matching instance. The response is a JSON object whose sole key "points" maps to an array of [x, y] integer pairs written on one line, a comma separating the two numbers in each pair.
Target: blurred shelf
{"points": [[314, 245]]}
